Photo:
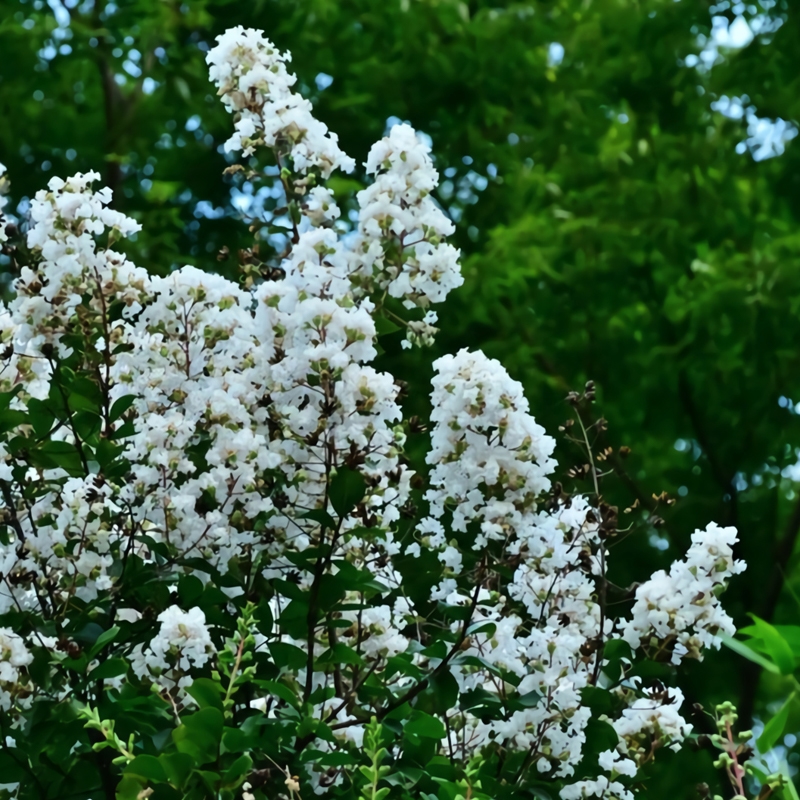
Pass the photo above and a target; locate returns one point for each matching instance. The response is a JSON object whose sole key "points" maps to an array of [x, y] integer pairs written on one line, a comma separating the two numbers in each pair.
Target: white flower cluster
{"points": [[182, 643], [252, 79], [651, 713], [491, 462], [600, 787], [244, 438], [320, 207], [67, 220], [401, 247], [192, 371], [679, 612], [325, 400], [483, 436], [650, 720], [14, 657]]}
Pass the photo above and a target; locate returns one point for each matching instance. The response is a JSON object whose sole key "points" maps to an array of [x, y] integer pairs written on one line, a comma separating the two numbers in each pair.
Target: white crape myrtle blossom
{"points": [[650, 715], [326, 401], [49, 301], [491, 462], [252, 79], [401, 247], [182, 644], [681, 609], [181, 456], [66, 221], [14, 656], [195, 371], [612, 761], [483, 435], [601, 787], [320, 207]]}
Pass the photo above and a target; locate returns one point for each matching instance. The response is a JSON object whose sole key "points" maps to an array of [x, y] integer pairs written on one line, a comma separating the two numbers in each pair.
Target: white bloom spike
{"points": [[252, 79]]}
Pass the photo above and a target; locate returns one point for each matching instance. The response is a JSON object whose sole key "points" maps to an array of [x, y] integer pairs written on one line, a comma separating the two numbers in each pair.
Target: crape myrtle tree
{"points": [[221, 575]]}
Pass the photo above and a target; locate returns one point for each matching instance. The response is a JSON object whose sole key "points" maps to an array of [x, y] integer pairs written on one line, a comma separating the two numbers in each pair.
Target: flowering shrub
{"points": [[220, 575]]}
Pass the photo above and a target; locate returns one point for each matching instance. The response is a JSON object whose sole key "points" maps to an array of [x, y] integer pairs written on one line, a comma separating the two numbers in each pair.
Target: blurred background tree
{"points": [[627, 197]]}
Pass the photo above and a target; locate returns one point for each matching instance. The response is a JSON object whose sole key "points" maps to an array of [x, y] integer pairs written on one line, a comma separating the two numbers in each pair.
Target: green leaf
{"points": [[288, 656], [87, 424], [207, 693], [597, 699], [775, 645], [10, 768], [41, 417], [103, 639], [237, 771], [200, 734], [791, 634], [264, 618], [774, 729], [789, 790], [320, 516], [7, 397], [177, 767], [346, 490], [743, 650], [190, 589], [83, 395], [105, 452], [110, 668], [384, 326], [129, 787], [120, 406], [528, 700], [600, 736], [405, 776], [482, 626], [424, 725], [148, 767], [443, 690], [279, 690], [57, 454], [10, 418], [340, 654]]}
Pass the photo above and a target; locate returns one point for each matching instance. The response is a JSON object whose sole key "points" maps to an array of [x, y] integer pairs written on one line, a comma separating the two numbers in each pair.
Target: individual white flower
{"points": [[320, 206], [614, 762]]}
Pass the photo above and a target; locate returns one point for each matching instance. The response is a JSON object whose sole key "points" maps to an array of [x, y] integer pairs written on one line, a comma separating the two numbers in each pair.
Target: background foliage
{"points": [[610, 229]]}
